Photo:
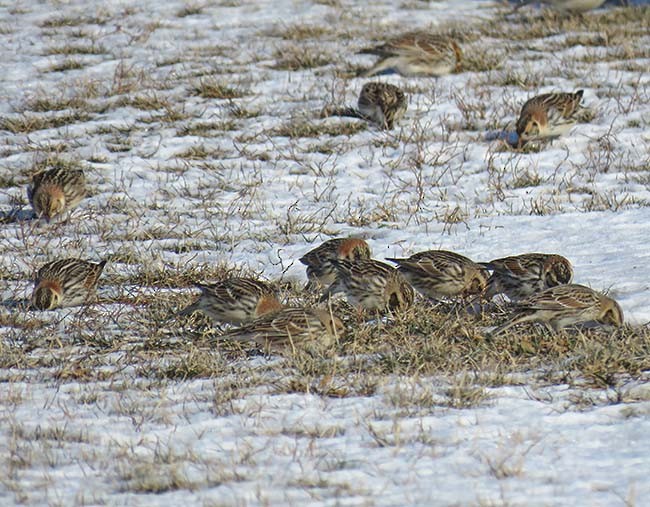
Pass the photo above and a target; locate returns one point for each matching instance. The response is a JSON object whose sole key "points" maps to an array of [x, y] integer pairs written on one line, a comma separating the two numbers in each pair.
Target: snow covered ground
{"points": [[198, 127]]}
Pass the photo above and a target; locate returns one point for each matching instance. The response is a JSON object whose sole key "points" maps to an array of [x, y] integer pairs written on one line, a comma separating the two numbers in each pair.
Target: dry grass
{"points": [[66, 64], [27, 123], [301, 58], [301, 129], [191, 9], [77, 49], [73, 20], [298, 32], [610, 25], [169, 212], [210, 88], [207, 129], [430, 342], [483, 59]]}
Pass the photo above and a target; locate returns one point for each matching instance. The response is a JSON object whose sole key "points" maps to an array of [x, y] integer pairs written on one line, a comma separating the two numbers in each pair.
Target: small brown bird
{"points": [[320, 270], [235, 300], [371, 285], [521, 276], [565, 305], [67, 282], [549, 115], [440, 274], [56, 191], [381, 103], [290, 328], [416, 54]]}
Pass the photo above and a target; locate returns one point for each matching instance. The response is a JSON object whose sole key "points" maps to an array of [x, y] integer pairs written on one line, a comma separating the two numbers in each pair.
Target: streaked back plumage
{"points": [[520, 276], [55, 191], [415, 54], [320, 270], [565, 305], [235, 300], [440, 274], [549, 115], [383, 104], [290, 328], [372, 285], [66, 282]]}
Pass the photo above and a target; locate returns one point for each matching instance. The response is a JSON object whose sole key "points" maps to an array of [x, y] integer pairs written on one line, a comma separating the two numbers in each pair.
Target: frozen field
{"points": [[198, 128]]}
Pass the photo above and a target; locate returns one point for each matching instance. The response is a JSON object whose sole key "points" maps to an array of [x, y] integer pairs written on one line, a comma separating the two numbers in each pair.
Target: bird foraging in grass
{"points": [[290, 328], [416, 54], [439, 274], [67, 282], [381, 103], [521, 276], [56, 191], [565, 305], [371, 285], [235, 300], [549, 115], [320, 270]]}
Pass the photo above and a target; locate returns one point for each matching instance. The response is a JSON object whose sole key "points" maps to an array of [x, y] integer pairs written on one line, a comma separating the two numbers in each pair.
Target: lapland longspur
{"points": [[235, 300], [440, 274], [290, 328], [565, 305], [321, 273], [371, 285], [549, 115], [55, 191], [521, 276], [381, 103], [416, 54], [67, 282]]}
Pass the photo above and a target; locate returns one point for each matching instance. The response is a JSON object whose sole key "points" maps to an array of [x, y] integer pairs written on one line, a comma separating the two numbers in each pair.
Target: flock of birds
{"points": [[537, 285], [417, 54]]}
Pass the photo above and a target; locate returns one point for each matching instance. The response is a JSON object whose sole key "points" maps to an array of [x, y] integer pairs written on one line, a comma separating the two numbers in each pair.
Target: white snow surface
{"points": [[261, 200]]}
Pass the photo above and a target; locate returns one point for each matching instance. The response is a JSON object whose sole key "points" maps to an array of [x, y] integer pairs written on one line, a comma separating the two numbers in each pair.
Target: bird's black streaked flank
{"points": [[521, 276], [321, 273], [565, 305], [440, 274], [290, 329], [371, 285], [235, 300]]}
